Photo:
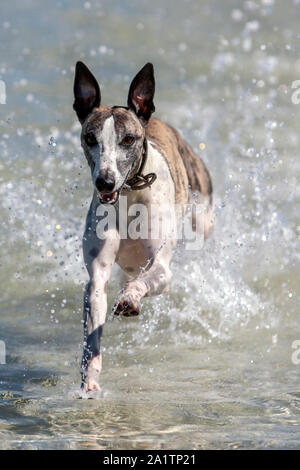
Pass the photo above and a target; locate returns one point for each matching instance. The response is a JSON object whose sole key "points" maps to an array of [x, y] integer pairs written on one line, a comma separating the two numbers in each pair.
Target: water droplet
{"points": [[52, 142]]}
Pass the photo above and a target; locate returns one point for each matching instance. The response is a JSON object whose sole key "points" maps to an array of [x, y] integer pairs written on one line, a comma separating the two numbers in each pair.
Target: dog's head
{"points": [[112, 137]]}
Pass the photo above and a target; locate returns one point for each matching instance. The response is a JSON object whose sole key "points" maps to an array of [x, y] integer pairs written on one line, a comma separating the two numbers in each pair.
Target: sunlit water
{"points": [[210, 364]]}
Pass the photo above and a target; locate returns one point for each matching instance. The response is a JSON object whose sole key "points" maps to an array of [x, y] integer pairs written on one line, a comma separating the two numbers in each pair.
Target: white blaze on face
{"points": [[110, 152]]}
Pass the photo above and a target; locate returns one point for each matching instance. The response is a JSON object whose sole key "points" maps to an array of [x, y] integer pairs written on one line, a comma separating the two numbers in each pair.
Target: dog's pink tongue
{"points": [[109, 197]]}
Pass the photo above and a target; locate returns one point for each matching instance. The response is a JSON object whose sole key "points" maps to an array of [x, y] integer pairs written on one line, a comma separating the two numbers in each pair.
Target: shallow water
{"points": [[210, 364]]}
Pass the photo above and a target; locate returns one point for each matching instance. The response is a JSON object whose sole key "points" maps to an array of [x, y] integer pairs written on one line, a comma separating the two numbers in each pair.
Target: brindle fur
{"points": [[187, 169]]}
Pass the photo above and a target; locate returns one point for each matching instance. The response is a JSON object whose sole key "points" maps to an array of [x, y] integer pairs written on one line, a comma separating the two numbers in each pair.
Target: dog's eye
{"points": [[90, 139], [128, 140]]}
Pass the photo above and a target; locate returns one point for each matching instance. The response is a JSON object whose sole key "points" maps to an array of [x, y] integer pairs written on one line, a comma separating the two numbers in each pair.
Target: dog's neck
{"points": [[138, 180]]}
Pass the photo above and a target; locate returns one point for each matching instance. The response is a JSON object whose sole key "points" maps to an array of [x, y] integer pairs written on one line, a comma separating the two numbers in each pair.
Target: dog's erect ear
{"points": [[86, 91], [141, 93]]}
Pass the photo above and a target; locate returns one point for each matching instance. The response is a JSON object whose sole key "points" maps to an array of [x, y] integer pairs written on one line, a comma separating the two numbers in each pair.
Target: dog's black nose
{"points": [[105, 183]]}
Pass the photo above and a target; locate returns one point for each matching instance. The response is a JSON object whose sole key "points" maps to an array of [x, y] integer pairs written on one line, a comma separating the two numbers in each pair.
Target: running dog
{"points": [[146, 161]]}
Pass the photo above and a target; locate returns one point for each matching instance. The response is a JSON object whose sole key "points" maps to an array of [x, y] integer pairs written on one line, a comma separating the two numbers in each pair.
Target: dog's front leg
{"points": [[99, 257], [154, 281]]}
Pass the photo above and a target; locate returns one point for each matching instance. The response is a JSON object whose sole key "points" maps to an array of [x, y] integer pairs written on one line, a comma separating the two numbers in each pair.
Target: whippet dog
{"points": [[137, 157]]}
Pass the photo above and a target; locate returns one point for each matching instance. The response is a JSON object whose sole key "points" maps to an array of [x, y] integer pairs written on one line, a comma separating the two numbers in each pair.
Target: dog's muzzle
{"points": [[105, 185], [138, 181]]}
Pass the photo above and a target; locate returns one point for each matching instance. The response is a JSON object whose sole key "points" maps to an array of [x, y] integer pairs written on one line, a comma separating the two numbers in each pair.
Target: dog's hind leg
{"points": [[203, 215]]}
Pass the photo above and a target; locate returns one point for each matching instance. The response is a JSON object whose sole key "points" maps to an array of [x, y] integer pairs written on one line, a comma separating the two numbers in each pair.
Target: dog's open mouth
{"points": [[111, 198]]}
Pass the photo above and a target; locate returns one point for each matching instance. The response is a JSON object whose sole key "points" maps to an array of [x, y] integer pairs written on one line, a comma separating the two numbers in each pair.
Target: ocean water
{"points": [[214, 363]]}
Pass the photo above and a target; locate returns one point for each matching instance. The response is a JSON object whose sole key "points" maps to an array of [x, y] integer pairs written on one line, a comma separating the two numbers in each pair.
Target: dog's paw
{"points": [[92, 386], [88, 387], [127, 306], [90, 375]]}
